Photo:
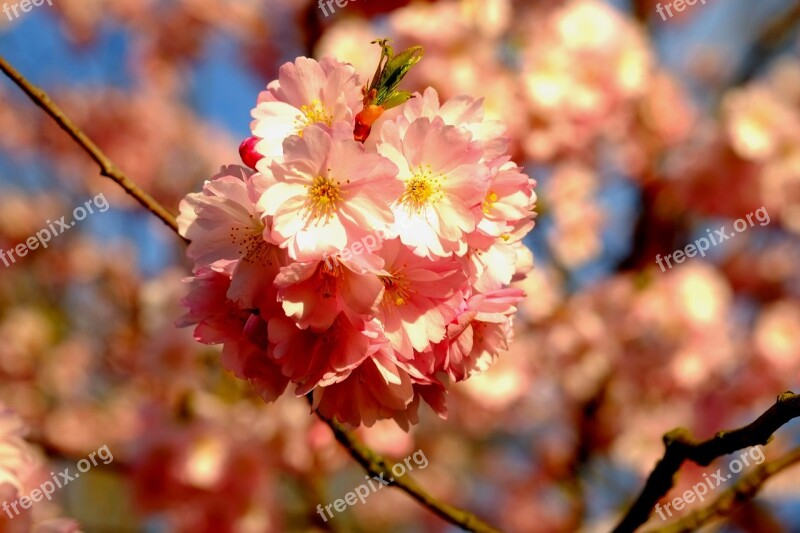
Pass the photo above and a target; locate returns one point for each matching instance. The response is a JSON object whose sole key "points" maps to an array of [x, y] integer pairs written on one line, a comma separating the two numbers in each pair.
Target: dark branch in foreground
{"points": [[371, 461], [681, 446], [744, 489]]}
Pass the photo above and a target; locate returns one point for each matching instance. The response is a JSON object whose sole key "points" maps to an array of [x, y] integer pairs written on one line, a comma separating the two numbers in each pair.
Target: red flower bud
{"points": [[248, 153], [365, 119]]}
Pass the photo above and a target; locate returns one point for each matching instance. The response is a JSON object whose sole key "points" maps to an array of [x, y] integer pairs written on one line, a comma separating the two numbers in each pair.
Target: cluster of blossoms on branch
{"points": [[367, 331]]}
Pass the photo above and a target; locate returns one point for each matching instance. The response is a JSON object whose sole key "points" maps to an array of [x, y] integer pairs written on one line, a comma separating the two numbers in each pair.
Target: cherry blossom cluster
{"points": [[368, 333]]}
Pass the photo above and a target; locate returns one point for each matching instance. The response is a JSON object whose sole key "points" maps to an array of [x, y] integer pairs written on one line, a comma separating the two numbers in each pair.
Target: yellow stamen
{"points": [[251, 244], [491, 198], [324, 196], [312, 114], [396, 291], [422, 189]]}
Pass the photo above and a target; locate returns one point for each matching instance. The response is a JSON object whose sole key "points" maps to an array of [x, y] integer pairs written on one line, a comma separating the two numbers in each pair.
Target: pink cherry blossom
{"points": [[362, 273], [310, 359], [381, 387], [508, 200], [491, 266], [306, 92], [226, 231], [478, 334], [328, 193], [444, 184], [464, 112], [222, 222], [243, 333], [419, 298], [314, 293]]}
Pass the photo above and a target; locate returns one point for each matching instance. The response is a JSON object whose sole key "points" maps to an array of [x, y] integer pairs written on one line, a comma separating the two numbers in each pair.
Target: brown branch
{"points": [[769, 41], [379, 466], [744, 489], [107, 167], [681, 446], [372, 462]]}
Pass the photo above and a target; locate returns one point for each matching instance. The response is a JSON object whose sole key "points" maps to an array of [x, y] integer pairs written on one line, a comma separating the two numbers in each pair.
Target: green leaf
{"points": [[395, 70], [397, 98], [391, 70], [386, 53]]}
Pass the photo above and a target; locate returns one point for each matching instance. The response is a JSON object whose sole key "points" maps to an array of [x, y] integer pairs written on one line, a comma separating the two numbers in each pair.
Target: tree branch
{"points": [[769, 41], [744, 489], [381, 467], [681, 446], [107, 167], [372, 462]]}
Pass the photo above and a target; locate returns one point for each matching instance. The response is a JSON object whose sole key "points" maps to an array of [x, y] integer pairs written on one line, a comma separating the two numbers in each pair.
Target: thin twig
{"points": [[381, 467], [372, 462], [771, 39], [681, 446], [107, 167], [744, 489]]}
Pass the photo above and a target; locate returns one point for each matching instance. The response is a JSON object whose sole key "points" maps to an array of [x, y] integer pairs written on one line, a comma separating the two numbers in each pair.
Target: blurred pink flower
{"points": [[201, 477], [15, 456]]}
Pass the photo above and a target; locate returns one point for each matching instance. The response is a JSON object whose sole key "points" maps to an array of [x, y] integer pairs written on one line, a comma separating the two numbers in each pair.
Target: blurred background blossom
{"points": [[643, 134]]}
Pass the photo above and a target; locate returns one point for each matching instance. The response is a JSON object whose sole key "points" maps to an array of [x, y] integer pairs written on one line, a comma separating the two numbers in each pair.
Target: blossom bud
{"points": [[248, 153], [364, 121]]}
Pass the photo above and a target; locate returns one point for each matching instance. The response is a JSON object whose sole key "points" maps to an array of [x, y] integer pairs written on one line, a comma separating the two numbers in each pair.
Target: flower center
{"points": [[396, 291], [324, 196], [491, 198], [329, 270], [312, 114], [422, 189], [250, 242]]}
